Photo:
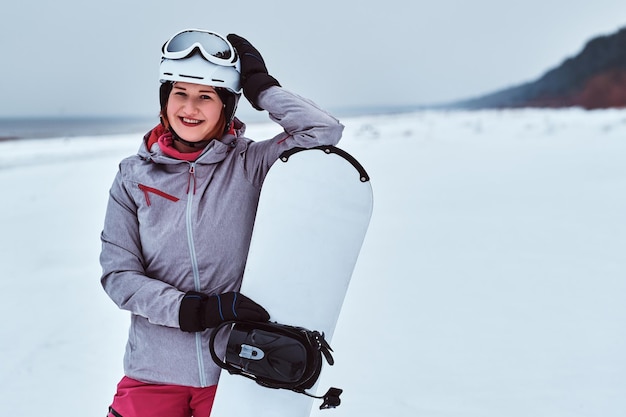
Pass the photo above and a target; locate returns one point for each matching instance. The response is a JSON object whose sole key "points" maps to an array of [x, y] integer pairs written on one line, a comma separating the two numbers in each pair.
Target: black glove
{"points": [[200, 311], [254, 76]]}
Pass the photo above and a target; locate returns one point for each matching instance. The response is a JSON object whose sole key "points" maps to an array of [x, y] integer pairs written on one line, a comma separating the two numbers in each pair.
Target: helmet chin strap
{"points": [[199, 144]]}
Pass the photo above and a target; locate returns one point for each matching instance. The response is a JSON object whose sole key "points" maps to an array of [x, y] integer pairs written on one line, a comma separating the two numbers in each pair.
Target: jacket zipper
{"points": [[191, 191]]}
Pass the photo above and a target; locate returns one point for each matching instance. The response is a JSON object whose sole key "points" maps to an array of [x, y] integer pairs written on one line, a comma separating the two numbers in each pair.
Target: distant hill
{"points": [[593, 79]]}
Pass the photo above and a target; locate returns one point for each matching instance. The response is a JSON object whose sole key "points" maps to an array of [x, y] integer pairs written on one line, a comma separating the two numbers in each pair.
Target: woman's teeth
{"points": [[192, 121]]}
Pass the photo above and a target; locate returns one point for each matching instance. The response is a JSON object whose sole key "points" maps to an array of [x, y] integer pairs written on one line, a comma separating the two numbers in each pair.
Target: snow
{"points": [[491, 282]]}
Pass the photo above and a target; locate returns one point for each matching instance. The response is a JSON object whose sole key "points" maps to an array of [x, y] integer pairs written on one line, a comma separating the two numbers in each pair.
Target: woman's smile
{"points": [[190, 122]]}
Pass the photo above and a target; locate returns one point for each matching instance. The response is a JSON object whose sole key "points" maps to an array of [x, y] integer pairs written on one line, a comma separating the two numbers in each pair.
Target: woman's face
{"points": [[194, 111]]}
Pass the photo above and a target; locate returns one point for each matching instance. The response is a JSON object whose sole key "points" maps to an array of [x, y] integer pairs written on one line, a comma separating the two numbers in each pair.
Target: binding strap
{"points": [[313, 345]]}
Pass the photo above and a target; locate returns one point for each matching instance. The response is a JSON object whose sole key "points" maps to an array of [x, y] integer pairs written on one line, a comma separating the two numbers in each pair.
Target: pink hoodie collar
{"points": [[163, 137], [166, 143]]}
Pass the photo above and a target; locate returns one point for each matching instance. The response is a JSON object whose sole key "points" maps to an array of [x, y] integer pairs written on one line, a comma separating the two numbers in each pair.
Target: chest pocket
{"points": [[150, 191]]}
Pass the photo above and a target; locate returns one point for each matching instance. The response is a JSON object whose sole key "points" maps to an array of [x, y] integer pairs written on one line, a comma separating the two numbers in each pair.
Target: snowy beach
{"points": [[492, 281]]}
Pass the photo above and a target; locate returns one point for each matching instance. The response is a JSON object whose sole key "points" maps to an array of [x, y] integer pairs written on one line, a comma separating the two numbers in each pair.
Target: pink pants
{"points": [[138, 399]]}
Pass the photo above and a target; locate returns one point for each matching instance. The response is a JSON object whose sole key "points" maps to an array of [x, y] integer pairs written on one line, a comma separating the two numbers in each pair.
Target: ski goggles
{"points": [[213, 47]]}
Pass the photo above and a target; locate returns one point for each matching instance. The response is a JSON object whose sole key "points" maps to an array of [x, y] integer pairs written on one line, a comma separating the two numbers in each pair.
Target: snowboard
{"points": [[313, 214]]}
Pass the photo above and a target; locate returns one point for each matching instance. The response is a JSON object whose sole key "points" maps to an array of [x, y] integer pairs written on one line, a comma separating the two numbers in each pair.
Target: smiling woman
{"points": [[180, 215]]}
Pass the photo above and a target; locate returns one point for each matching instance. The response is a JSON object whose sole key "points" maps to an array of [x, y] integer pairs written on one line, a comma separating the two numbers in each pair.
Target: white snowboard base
{"points": [[311, 222]]}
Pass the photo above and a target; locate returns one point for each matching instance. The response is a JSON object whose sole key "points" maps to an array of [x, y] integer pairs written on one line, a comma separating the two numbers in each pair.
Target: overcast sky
{"points": [[81, 57]]}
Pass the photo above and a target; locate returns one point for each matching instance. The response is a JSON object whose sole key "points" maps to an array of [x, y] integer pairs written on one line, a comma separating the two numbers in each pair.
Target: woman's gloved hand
{"points": [[254, 75], [199, 311]]}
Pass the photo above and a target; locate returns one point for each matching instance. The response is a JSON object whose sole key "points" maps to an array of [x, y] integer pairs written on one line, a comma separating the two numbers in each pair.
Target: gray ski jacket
{"points": [[174, 226]]}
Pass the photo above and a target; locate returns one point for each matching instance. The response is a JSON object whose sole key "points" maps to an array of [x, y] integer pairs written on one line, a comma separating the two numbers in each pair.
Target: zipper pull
{"points": [[192, 177]]}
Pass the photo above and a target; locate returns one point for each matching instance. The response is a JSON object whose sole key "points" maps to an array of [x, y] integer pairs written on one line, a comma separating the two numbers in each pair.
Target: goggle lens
{"points": [[212, 46]]}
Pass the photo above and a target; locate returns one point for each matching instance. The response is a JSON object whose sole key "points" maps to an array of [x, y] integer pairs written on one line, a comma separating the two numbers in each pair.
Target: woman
{"points": [[180, 215]]}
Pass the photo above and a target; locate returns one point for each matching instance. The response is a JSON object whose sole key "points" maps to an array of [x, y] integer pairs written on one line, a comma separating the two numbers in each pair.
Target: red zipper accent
{"points": [[283, 140], [147, 190]]}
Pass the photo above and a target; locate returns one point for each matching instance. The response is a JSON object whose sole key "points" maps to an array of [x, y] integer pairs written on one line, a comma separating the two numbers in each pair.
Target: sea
{"points": [[59, 127], [55, 127]]}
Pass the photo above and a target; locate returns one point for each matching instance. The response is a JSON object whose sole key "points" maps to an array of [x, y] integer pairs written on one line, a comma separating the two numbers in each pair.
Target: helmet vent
{"points": [[196, 77]]}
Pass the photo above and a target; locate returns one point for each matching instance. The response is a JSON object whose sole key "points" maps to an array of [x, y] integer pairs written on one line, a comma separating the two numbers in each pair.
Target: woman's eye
{"points": [[206, 97]]}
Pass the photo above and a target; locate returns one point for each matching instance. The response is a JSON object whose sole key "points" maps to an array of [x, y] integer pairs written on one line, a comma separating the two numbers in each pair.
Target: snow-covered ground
{"points": [[492, 281]]}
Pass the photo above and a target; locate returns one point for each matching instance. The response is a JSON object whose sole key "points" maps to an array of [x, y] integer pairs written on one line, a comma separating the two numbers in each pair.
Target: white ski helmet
{"points": [[201, 57]]}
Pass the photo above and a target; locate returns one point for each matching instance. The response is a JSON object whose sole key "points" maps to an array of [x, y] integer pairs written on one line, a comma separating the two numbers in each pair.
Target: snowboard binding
{"points": [[276, 356]]}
